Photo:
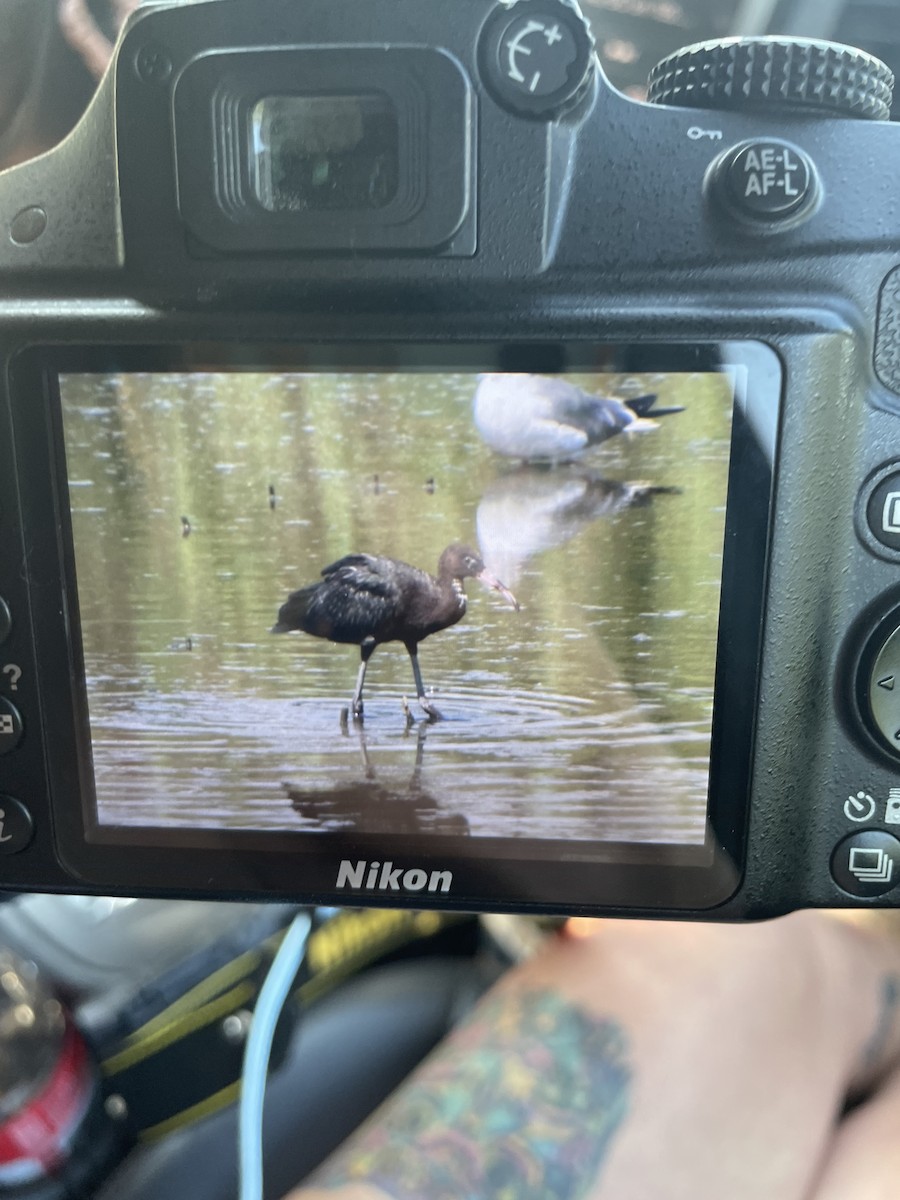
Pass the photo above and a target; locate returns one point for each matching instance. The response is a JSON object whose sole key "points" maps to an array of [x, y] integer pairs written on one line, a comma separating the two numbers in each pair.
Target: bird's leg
{"points": [[356, 703], [364, 751], [432, 712], [366, 651]]}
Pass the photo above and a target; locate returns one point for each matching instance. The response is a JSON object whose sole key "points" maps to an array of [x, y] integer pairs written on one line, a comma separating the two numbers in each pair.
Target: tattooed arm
{"points": [[655, 1062], [524, 1100]]}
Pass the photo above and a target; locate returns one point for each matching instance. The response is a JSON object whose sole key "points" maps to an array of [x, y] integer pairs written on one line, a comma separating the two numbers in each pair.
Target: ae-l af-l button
{"points": [[767, 182]]}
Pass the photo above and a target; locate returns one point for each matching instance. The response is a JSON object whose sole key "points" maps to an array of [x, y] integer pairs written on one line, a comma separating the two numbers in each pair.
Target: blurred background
{"points": [[52, 52]]}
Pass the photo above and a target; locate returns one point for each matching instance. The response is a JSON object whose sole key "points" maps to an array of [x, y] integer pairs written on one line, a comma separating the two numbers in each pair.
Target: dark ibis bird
{"points": [[542, 418], [364, 600]]}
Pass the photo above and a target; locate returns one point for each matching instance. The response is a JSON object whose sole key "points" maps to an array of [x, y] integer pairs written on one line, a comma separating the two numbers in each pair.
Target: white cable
{"points": [[269, 1004]]}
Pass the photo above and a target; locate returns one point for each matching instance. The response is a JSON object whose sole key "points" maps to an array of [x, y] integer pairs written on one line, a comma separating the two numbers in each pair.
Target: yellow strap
{"points": [[200, 994], [237, 998], [228, 1095], [345, 945]]}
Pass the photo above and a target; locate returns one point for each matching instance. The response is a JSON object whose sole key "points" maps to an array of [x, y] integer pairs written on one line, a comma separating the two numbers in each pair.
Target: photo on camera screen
{"points": [[570, 701]]}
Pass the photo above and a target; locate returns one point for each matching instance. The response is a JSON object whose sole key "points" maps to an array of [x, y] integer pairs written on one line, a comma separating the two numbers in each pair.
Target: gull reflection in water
{"points": [[368, 806], [533, 509]]}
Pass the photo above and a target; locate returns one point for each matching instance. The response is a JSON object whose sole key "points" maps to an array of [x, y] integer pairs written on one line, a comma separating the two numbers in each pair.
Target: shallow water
{"points": [[586, 715]]}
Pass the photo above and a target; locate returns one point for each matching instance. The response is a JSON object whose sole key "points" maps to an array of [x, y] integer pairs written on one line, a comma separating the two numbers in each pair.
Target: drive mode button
{"points": [[867, 864]]}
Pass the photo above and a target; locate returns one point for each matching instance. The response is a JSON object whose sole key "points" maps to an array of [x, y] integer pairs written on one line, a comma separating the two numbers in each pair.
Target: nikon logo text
{"points": [[385, 877]]}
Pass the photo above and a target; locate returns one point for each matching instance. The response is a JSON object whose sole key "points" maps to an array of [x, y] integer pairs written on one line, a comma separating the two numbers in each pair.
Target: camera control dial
{"points": [[881, 683], [772, 74], [537, 56]]}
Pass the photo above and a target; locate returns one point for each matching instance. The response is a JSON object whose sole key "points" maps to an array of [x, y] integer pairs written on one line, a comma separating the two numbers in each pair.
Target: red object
{"points": [[35, 1141]]}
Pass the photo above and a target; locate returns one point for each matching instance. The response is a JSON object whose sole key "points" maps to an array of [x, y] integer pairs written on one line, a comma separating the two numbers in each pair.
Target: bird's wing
{"points": [[362, 571], [349, 560], [359, 598], [599, 416], [545, 438], [642, 405]]}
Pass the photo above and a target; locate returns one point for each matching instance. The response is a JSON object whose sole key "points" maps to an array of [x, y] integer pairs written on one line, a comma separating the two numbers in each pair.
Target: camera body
{"points": [[259, 284]]}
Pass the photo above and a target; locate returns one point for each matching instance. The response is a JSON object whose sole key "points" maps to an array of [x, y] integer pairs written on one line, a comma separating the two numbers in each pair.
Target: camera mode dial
{"points": [[790, 75], [537, 56]]}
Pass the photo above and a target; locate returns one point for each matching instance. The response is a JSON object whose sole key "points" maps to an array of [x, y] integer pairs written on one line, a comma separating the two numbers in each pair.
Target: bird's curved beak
{"points": [[493, 584]]}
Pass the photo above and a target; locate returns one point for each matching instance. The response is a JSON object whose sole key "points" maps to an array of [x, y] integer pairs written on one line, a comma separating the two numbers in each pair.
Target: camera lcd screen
{"points": [[567, 713]]}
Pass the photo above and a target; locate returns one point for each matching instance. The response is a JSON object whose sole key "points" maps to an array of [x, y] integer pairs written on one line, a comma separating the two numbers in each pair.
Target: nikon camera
{"points": [[328, 314]]}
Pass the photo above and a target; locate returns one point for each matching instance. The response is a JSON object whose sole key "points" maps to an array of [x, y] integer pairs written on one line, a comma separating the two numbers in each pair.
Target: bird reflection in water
{"points": [[532, 510], [368, 806]]}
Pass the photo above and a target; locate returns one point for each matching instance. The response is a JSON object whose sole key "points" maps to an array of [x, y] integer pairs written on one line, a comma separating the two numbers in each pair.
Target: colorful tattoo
{"points": [[887, 1013], [520, 1104]]}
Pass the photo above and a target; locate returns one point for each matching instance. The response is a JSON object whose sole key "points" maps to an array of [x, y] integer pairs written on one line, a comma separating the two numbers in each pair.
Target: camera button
{"points": [[883, 511], [867, 864], [883, 687], [11, 726], [5, 621], [27, 226], [767, 180], [537, 58], [16, 825]]}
